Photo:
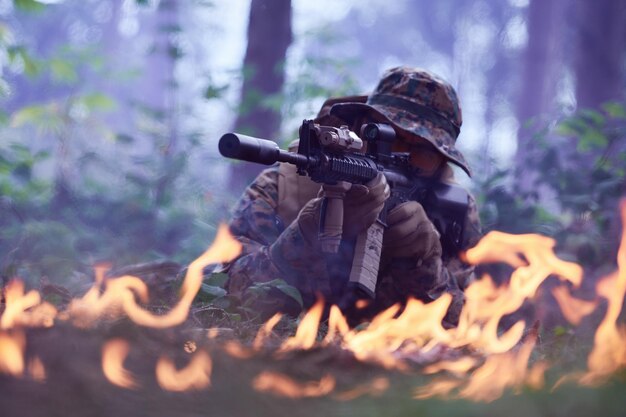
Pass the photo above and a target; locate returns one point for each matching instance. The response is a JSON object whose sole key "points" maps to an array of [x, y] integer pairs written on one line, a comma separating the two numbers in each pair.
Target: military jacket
{"points": [[274, 248]]}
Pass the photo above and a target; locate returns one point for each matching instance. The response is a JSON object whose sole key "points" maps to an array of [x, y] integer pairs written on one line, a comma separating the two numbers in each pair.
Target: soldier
{"points": [[277, 218]]}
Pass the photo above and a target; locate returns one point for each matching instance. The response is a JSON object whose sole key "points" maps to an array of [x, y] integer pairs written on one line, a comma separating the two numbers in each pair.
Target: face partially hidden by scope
{"points": [[422, 154]]}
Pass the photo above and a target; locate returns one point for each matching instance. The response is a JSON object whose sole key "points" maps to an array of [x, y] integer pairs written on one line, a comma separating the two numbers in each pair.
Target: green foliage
{"points": [[213, 293], [582, 176], [29, 5], [262, 289]]}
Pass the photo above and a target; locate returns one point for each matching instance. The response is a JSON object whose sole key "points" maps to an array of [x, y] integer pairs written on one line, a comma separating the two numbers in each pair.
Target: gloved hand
{"points": [[410, 234], [362, 205]]}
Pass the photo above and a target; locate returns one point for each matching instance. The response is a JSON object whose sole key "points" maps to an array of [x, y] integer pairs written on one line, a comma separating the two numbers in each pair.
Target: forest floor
{"points": [[75, 385]]}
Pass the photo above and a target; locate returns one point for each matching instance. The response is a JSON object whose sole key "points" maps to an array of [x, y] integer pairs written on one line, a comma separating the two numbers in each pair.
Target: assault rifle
{"points": [[334, 156]]}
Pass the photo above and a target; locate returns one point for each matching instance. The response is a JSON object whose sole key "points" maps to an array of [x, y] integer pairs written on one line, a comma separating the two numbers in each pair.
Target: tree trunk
{"points": [[599, 57], [158, 92], [538, 87], [269, 36]]}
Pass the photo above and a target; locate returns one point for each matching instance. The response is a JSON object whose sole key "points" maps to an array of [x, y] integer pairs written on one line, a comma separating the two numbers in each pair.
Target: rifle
{"points": [[333, 156]]}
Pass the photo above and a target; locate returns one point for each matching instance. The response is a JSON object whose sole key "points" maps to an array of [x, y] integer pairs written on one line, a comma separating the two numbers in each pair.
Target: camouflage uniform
{"points": [[274, 247]]}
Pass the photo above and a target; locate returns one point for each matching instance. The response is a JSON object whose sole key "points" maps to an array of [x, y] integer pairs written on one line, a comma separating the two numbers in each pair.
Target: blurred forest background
{"points": [[111, 111]]}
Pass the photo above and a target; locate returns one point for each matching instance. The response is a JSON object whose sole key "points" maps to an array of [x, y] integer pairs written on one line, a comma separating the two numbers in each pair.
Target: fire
{"points": [[609, 351], [265, 331], [476, 360], [121, 293], [36, 369], [284, 386], [573, 309], [375, 387], [25, 309], [12, 353], [307, 330], [196, 375], [114, 354]]}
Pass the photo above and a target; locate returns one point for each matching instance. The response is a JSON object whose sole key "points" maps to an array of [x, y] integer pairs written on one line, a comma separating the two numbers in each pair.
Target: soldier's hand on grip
{"points": [[363, 204], [410, 233]]}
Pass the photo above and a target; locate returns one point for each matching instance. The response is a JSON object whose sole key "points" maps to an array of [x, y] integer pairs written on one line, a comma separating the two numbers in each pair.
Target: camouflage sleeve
{"points": [[427, 280], [270, 250]]}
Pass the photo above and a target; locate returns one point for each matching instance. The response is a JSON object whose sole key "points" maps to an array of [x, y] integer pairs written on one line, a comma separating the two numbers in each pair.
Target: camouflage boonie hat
{"points": [[417, 102]]}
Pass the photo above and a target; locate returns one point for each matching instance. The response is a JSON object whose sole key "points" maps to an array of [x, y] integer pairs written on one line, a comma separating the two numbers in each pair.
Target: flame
{"points": [[195, 376], [490, 361], [36, 369], [114, 354], [438, 388], [418, 324], [120, 293], [284, 386], [375, 387], [337, 325], [12, 353], [609, 350], [18, 304], [499, 371], [457, 367], [572, 308], [487, 382], [237, 350], [306, 333], [265, 331]]}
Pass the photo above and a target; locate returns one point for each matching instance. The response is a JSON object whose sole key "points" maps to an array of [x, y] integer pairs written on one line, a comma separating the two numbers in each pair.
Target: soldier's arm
{"points": [[427, 280], [271, 250]]}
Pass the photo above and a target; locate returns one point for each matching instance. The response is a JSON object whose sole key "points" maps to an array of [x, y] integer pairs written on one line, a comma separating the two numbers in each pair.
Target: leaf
{"points": [[63, 71], [592, 138], [217, 279], [291, 292], [615, 109], [592, 116], [98, 101], [45, 117], [29, 5], [560, 331], [212, 291], [262, 288]]}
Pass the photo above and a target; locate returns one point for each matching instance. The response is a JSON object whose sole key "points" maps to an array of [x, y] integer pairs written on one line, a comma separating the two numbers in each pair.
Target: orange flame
{"points": [[418, 324], [609, 350], [265, 331], [375, 387], [572, 308], [196, 375], [284, 386], [237, 350], [114, 354], [487, 382], [307, 329], [36, 369], [12, 353], [337, 325], [120, 293], [25, 309]]}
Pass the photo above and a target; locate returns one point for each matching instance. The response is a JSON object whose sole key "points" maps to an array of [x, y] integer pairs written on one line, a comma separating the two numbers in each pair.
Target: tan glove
{"points": [[363, 204], [361, 207], [410, 233], [309, 221]]}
